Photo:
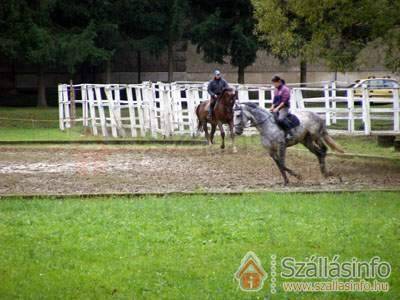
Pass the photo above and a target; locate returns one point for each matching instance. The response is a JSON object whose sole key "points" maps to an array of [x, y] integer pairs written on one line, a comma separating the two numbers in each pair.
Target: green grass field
{"points": [[186, 247]]}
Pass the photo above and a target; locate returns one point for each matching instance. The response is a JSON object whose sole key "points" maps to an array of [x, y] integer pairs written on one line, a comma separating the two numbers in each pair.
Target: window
{"points": [[390, 84]]}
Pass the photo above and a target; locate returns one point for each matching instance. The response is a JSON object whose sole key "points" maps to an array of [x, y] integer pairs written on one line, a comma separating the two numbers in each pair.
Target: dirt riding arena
{"points": [[138, 169]]}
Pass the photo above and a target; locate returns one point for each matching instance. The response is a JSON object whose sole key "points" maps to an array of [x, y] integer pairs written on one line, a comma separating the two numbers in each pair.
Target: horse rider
{"points": [[281, 104], [215, 89]]}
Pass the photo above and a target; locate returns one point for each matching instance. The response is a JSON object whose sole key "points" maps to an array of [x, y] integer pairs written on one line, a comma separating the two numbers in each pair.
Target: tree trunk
{"points": [[14, 78], [241, 74], [303, 71], [170, 60], [41, 88], [108, 71], [139, 66]]}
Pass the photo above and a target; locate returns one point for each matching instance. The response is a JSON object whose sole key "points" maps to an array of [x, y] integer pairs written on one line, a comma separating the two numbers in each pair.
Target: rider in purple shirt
{"points": [[281, 103]]}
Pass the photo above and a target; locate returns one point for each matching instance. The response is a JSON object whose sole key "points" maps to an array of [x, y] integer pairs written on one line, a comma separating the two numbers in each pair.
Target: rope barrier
{"points": [[30, 120]]}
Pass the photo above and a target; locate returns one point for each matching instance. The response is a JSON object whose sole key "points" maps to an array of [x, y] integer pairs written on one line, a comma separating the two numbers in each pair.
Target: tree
{"points": [[10, 15], [82, 28], [153, 26], [47, 33], [141, 27], [389, 33], [284, 30], [77, 48], [222, 29], [340, 29], [27, 36], [175, 25], [335, 31]]}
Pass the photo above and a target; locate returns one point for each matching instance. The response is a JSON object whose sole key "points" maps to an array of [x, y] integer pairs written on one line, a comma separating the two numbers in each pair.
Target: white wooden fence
{"points": [[169, 109]]}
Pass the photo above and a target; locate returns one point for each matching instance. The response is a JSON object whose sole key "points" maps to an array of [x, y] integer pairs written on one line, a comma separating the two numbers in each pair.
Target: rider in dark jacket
{"points": [[215, 88]]}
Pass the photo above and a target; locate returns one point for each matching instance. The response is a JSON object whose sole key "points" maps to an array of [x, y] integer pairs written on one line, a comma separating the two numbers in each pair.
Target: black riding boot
{"points": [[210, 112], [285, 127]]}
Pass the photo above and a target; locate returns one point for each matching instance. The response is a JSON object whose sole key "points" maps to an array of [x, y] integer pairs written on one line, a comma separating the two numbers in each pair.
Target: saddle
{"points": [[290, 122]]}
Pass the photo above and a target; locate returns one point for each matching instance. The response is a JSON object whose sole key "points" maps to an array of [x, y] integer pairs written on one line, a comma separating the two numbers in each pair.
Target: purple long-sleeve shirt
{"points": [[282, 94]]}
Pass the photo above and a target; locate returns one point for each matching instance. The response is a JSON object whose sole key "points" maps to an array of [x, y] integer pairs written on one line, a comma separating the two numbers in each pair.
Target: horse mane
{"points": [[228, 89], [255, 108], [251, 104]]}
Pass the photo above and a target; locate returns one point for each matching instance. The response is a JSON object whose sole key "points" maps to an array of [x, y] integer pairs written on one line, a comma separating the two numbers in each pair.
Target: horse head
{"points": [[229, 96], [248, 114]]}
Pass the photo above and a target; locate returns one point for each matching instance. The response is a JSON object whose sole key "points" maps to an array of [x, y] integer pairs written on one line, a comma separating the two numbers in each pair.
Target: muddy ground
{"points": [[139, 169]]}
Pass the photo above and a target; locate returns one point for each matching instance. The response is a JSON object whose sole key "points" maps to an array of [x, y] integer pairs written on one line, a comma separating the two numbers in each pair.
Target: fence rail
{"points": [[169, 109]]}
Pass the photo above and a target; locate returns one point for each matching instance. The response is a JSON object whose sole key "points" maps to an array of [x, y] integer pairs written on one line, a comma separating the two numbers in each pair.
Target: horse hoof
{"points": [[234, 150], [222, 146]]}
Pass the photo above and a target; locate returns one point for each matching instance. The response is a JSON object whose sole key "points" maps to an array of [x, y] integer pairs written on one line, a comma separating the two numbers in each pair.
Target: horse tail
{"points": [[199, 123], [331, 142]]}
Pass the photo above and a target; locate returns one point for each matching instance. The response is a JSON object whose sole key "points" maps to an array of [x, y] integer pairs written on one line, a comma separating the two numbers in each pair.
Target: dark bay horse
{"points": [[223, 114]]}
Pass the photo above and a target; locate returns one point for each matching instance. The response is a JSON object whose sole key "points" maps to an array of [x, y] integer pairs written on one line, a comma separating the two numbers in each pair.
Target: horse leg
{"points": [[281, 165], [213, 128], [221, 128], [232, 133], [319, 151], [322, 156], [282, 152], [205, 128], [293, 173]]}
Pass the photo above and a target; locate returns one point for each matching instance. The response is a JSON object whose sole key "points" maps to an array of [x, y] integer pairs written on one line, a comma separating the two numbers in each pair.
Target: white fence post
{"points": [[131, 107], [99, 102], [366, 111], [327, 105], [190, 97], [333, 93], [140, 109], [92, 108], [150, 99], [176, 97], [243, 93], [66, 101], [350, 107], [261, 97], [111, 110], [61, 106], [396, 110], [85, 106], [164, 109]]}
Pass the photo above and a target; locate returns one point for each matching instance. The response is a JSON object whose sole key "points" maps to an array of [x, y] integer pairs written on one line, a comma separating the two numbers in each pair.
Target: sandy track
{"points": [[111, 169]]}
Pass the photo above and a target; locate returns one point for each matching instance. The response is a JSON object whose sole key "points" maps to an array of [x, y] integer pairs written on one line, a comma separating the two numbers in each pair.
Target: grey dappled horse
{"points": [[311, 133]]}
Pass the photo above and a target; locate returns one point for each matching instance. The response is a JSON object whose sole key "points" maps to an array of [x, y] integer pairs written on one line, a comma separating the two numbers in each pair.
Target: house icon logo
{"points": [[250, 274]]}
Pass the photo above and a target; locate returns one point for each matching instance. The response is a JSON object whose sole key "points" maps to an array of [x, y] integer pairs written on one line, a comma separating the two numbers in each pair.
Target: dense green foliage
{"points": [[223, 28], [70, 34], [185, 247], [335, 31]]}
